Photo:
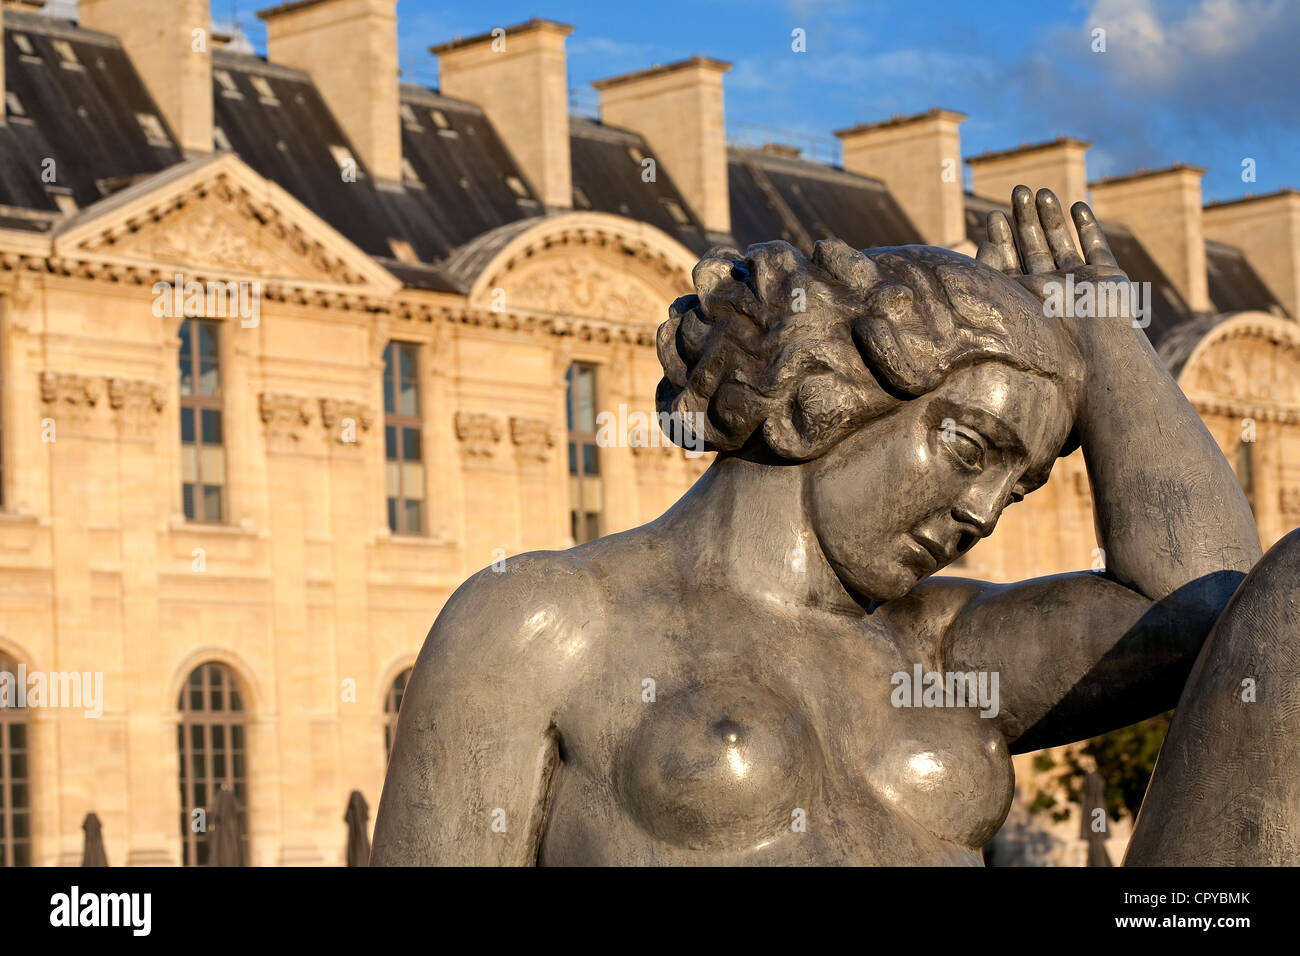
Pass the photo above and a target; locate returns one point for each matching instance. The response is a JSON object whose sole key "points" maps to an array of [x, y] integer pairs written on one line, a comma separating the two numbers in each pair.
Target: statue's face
{"points": [[911, 490]]}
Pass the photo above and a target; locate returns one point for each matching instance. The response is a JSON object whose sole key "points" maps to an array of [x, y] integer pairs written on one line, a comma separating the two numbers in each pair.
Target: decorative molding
{"points": [[137, 404], [479, 432], [533, 437], [337, 411], [72, 399], [285, 417]]}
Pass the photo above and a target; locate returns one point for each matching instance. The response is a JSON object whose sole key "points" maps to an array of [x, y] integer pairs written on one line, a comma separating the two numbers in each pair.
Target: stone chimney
{"points": [[173, 59], [1163, 209], [518, 75], [678, 109], [919, 159], [1058, 166], [349, 47], [1267, 230]]}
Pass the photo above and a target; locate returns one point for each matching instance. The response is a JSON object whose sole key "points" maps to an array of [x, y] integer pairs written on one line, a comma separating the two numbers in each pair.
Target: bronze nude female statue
{"points": [[718, 686]]}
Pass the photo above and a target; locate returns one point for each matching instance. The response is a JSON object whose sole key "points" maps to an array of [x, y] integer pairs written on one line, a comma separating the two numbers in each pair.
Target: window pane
{"points": [[209, 377], [212, 504], [409, 404], [573, 458], [187, 424], [211, 426], [411, 444], [237, 732], [212, 462], [586, 400], [189, 463], [415, 516], [218, 737], [207, 339], [392, 514], [388, 376], [568, 397], [18, 736], [590, 461], [236, 703], [393, 479], [187, 499], [390, 443], [408, 362], [413, 481]]}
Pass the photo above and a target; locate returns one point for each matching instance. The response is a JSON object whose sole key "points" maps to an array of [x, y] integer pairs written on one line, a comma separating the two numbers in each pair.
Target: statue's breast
{"points": [[719, 765], [950, 772]]}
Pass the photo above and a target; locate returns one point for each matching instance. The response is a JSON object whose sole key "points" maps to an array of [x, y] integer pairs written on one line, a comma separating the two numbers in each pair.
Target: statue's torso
{"points": [[763, 739]]}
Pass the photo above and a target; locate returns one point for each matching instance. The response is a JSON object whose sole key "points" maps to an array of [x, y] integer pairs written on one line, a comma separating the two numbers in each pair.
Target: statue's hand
{"points": [[1040, 252]]}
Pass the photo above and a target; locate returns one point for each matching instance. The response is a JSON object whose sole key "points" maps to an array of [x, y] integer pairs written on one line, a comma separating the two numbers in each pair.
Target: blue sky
{"points": [[1207, 82]]}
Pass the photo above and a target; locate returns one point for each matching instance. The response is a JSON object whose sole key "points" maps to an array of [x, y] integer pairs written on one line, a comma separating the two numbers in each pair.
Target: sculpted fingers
{"points": [[1096, 250], [1034, 250], [999, 250], [1060, 239]]}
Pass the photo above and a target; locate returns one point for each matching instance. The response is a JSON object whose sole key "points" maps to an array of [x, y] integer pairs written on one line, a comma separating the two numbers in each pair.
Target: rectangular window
{"points": [[403, 439], [586, 491], [203, 453]]}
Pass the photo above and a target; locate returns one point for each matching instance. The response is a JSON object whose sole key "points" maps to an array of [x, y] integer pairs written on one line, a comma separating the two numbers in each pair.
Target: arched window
{"points": [[211, 742], [15, 800], [392, 707]]}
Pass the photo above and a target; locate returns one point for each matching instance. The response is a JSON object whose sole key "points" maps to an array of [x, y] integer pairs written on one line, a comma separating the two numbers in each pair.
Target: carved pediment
{"points": [[1250, 370], [218, 217]]}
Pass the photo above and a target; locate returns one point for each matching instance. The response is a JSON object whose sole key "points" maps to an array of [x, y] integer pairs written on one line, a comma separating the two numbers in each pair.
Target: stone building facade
{"points": [[288, 349]]}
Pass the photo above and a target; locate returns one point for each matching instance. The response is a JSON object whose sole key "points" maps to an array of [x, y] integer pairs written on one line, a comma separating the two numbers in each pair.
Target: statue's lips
{"points": [[920, 556], [940, 554]]}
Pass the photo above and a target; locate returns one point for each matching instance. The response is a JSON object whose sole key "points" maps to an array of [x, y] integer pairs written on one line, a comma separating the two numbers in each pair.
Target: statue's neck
{"points": [[746, 526]]}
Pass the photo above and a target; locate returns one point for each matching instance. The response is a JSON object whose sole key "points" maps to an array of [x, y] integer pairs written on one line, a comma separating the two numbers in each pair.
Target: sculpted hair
{"points": [[875, 329]]}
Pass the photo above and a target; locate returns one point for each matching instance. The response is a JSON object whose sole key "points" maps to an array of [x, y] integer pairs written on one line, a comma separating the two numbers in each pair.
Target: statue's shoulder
{"points": [[527, 604]]}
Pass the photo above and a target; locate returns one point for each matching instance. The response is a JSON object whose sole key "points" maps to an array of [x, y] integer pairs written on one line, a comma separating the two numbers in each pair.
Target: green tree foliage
{"points": [[1125, 759]]}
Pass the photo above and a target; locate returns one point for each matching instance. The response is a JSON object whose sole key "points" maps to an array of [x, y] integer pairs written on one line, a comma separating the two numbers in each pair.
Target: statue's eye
{"points": [[966, 448]]}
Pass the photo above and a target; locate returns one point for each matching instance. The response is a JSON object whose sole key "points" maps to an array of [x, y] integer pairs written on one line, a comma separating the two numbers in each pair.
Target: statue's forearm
{"points": [[1169, 509]]}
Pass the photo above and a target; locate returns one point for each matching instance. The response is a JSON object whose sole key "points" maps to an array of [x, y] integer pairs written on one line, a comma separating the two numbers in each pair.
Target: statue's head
{"points": [[919, 391]]}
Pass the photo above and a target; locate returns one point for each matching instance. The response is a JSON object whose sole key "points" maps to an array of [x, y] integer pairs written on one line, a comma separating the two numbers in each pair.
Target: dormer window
{"points": [[264, 91], [228, 87], [409, 174], [153, 129], [346, 161], [517, 186], [439, 119], [67, 205], [24, 44], [67, 55], [221, 140], [402, 250], [676, 211], [636, 154], [411, 121], [580, 199], [14, 104]]}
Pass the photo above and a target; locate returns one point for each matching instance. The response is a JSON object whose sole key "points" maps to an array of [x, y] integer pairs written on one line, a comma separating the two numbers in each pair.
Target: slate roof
{"points": [[1234, 285], [607, 177], [81, 114], [776, 196]]}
